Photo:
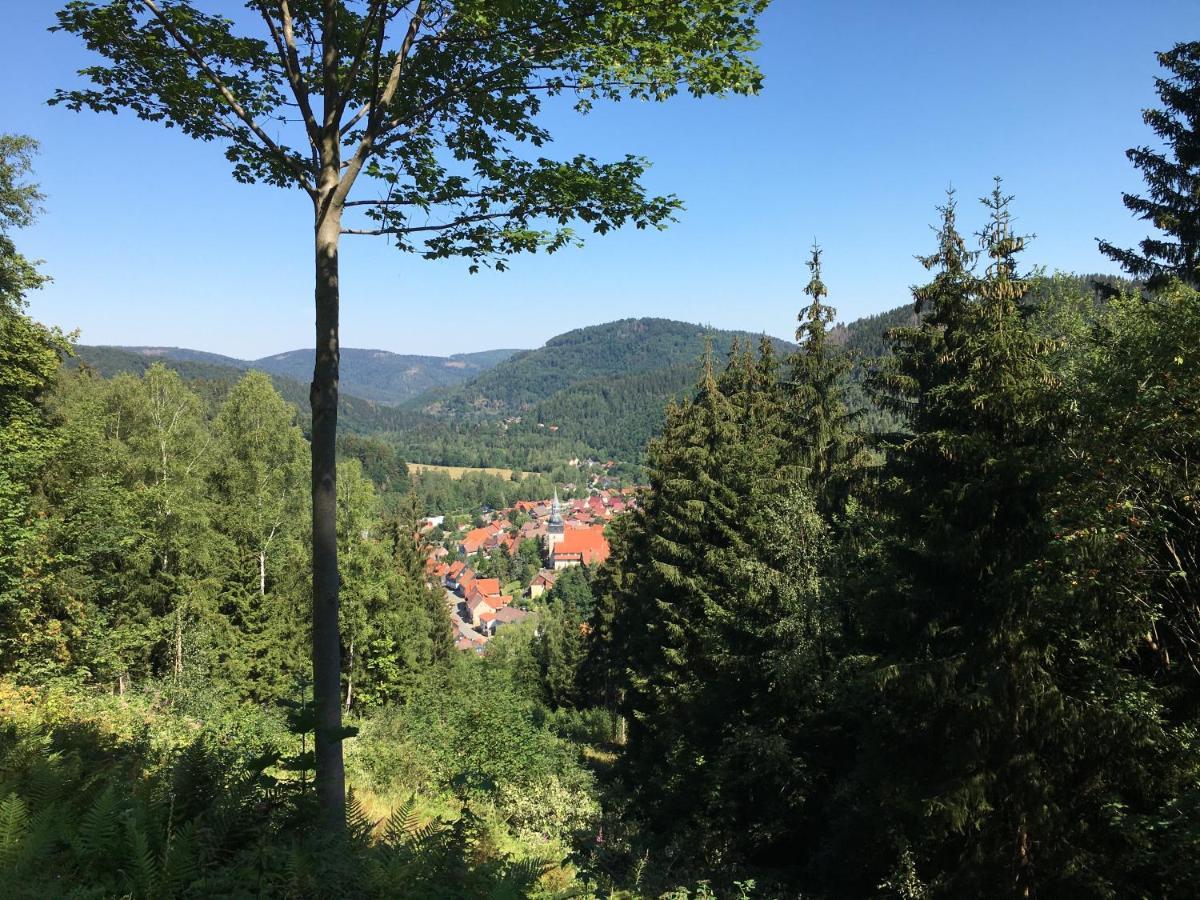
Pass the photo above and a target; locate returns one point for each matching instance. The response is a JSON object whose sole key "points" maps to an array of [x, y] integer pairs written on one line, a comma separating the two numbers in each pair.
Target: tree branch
{"points": [[287, 49], [461, 220], [475, 195], [366, 144], [360, 55], [237, 107]]}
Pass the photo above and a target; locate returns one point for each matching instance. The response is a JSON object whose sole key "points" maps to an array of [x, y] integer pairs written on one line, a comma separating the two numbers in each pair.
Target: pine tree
{"points": [[1172, 178]]}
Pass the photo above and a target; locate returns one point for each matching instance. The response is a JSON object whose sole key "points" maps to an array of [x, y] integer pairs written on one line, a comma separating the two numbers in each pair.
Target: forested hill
{"points": [[387, 377], [377, 375], [213, 380], [598, 391], [622, 349]]}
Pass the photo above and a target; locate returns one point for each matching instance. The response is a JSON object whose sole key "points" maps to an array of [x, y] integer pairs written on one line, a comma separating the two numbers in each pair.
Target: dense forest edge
{"points": [[907, 608]]}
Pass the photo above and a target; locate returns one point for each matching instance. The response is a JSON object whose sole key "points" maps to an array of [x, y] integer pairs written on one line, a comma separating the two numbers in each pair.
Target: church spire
{"points": [[556, 510]]}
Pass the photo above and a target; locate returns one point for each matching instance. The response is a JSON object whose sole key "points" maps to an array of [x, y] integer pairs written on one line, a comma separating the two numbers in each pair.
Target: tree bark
{"points": [[262, 573], [323, 395]]}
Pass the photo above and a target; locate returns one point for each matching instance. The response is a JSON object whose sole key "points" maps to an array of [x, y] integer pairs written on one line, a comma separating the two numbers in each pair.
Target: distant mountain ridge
{"points": [[598, 391], [378, 375], [213, 380]]}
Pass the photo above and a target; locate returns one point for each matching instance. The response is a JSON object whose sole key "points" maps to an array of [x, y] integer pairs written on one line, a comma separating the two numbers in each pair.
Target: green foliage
{"points": [[89, 811], [1172, 177], [983, 759], [30, 355], [1137, 446], [721, 622], [458, 160]]}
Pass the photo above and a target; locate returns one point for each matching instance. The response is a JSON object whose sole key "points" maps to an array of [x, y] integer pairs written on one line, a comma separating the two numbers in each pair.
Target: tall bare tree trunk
{"points": [[323, 395], [262, 573]]}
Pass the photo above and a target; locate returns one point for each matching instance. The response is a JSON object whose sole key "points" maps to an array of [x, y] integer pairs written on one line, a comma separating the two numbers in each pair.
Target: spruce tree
{"points": [[1005, 745], [1172, 177], [723, 556], [257, 485], [825, 442]]}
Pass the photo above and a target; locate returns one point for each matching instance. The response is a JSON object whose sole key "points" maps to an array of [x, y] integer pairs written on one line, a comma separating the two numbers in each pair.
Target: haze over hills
{"points": [[377, 375]]}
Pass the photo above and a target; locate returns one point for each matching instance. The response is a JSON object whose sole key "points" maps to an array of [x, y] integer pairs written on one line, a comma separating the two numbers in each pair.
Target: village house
{"points": [[454, 574], [579, 546], [472, 542], [542, 582], [509, 615], [477, 607], [487, 587]]}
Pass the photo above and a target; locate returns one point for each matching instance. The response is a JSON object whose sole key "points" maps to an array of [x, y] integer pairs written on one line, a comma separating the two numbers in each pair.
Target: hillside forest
{"points": [[907, 609]]}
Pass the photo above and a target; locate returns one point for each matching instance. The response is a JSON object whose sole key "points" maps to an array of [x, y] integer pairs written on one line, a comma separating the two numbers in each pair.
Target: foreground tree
{"points": [[425, 102], [1172, 178], [30, 355], [1008, 751]]}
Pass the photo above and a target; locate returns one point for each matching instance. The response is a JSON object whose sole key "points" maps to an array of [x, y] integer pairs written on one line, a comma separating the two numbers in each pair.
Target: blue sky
{"points": [[871, 108]]}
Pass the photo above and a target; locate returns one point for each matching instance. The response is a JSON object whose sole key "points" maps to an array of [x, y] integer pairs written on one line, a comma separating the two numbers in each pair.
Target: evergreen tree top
{"points": [[953, 263], [811, 332], [1172, 176]]}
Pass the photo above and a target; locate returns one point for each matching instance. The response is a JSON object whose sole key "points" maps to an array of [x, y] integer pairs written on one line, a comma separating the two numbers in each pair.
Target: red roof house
{"points": [[473, 540], [580, 546]]}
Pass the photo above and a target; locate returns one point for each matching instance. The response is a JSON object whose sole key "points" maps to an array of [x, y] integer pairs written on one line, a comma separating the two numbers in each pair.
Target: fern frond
{"points": [[14, 826], [142, 874], [358, 823], [99, 834], [520, 876], [401, 823], [180, 867]]}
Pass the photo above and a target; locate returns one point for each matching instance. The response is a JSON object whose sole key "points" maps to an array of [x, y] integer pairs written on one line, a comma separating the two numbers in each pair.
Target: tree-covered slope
{"points": [[599, 391], [213, 382], [621, 349], [377, 375], [387, 377]]}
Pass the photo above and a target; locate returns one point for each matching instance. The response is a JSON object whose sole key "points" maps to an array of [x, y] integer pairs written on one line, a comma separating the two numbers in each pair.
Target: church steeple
{"points": [[554, 527], [556, 518]]}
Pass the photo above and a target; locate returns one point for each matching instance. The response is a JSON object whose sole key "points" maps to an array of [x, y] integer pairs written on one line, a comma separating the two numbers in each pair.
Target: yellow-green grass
{"points": [[457, 472]]}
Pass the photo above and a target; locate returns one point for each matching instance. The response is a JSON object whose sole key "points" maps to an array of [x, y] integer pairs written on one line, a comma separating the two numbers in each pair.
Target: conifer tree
{"points": [[826, 444], [1172, 177], [257, 485], [724, 552], [996, 758]]}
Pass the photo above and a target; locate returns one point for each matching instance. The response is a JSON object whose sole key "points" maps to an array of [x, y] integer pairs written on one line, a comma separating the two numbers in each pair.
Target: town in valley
{"points": [[493, 572]]}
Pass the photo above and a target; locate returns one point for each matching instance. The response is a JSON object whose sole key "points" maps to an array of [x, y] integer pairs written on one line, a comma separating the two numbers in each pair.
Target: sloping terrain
{"points": [[378, 375]]}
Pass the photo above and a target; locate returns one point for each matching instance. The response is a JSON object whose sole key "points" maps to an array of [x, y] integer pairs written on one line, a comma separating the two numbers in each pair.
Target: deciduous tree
{"points": [[430, 108]]}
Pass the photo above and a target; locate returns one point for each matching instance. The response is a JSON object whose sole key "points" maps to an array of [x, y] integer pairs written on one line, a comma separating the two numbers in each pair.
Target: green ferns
{"points": [[212, 821]]}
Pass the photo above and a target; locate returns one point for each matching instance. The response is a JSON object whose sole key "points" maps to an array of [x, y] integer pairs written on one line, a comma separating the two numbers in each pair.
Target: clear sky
{"points": [[871, 108]]}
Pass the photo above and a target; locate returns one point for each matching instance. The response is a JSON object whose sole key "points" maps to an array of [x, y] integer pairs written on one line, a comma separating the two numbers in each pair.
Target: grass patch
{"points": [[457, 472]]}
